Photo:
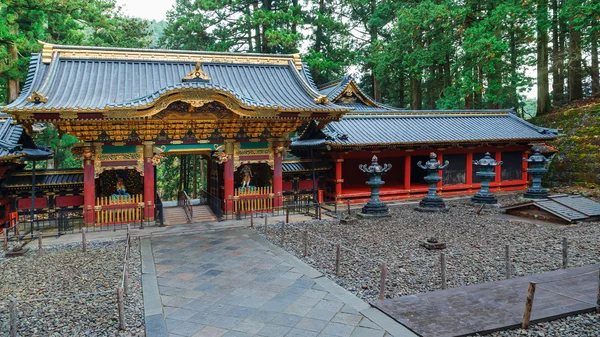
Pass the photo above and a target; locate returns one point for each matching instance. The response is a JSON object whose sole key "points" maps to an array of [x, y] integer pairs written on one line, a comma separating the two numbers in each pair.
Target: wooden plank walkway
{"points": [[499, 305]]}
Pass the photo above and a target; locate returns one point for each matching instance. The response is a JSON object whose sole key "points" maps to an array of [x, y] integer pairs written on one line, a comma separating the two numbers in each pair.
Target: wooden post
{"points": [[126, 278], [348, 206], [121, 308], [528, 306], [305, 239], [17, 234], [252, 218], [443, 265], [287, 214], [5, 232], [507, 261], [382, 282], [13, 318], [565, 253], [335, 206], [282, 232], [266, 223], [319, 210], [83, 240], [40, 247], [338, 255], [598, 297]]}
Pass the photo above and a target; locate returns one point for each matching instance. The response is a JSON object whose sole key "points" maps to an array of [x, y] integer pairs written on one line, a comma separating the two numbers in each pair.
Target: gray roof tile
{"points": [[429, 127], [97, 84]]}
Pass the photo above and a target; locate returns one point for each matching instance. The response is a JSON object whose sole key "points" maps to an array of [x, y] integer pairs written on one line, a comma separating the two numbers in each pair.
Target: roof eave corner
{"points": [[47, 50]]}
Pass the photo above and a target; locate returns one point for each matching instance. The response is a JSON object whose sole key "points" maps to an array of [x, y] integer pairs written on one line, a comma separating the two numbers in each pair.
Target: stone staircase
{"points": [[176, 215]]}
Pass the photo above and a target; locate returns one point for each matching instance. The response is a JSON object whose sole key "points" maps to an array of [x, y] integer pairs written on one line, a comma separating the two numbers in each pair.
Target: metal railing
{"points": [[158, 210], [186, 202], [215, 204]]}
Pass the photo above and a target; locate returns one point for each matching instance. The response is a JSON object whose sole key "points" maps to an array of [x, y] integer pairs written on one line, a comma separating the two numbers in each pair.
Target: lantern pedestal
{"points": [[432, 202], [375, 207], [537, 169], [487, 173]]}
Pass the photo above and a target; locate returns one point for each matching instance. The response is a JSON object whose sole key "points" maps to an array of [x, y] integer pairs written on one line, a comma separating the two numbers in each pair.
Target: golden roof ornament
{"points": [[36, 98], [321, 100], [197, 75]]}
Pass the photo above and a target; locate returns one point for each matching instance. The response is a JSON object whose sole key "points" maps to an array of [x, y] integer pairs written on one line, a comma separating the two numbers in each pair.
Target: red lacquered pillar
{"points": [[407, 172], [89, 187], [277, 179], [338, 178], [498, 169], [149, 188], [469, 177], [228, 177]]}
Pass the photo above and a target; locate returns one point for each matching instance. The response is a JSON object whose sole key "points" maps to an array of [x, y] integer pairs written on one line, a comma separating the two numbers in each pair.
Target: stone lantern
{"points": [[537, 169], [375, 207], [487, 173], [432, 202]]}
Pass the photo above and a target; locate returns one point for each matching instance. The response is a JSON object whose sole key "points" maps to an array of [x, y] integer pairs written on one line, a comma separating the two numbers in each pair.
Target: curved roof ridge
{"points": [[188, 85], [305, 85], [53, 47], [32, 76], [308, 76]]}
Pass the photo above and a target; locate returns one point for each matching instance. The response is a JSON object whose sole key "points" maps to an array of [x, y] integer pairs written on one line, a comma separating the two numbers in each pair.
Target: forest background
{"points": [[442, 54]]}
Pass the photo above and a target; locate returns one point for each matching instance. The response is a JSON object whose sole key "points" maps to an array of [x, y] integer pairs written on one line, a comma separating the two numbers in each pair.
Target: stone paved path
{"points": [[499, 305], [234, 283]]}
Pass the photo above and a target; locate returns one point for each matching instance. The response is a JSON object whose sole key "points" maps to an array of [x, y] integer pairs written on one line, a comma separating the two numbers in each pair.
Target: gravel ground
{"points": [[60, 274], [475, 250]]}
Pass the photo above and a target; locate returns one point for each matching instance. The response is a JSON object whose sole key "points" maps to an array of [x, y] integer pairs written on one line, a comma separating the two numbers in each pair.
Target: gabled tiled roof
{"points": [[89, 79], [567, 207], [54, 177], [15, 143], [424, 127], [295, 166], [334, 91]]}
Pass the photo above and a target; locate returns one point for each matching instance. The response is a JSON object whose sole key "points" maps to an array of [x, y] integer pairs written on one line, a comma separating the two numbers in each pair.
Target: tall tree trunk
{"points": [[373, 39], [195, 176], [575, 72], [513, 96], [543, 99], [595, 71], [203, 180], [248, 14], [266, 6], [557, 60], [401, 90], [416, 93], [13, 56], [296, 11], [257, 33]]}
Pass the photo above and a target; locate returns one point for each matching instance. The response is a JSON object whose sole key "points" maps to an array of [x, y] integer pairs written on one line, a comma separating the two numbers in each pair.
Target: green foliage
{"points": [[76, 22], [578, 160], [60, 144]]}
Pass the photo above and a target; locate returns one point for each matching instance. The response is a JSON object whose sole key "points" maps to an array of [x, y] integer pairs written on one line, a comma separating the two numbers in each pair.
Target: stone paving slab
{"points": [[235, 283], [499, 305]]}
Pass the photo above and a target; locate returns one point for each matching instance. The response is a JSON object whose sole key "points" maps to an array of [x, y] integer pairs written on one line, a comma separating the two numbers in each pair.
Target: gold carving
{"points": [[37, 98], [321, 100], [196, 75]]}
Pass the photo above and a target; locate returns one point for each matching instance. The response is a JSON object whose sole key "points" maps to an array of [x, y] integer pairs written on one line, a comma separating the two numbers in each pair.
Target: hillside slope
{"points": [[578, 160]]}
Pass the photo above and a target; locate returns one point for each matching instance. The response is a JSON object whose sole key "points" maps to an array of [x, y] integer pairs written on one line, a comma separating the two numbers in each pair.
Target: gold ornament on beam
{"points": [[37, 98], [197, 75], [220, 156], [321, 100]]}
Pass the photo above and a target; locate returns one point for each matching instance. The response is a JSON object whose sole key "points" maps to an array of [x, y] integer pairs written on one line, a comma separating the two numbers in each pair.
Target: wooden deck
{"points": [[496, 305]]}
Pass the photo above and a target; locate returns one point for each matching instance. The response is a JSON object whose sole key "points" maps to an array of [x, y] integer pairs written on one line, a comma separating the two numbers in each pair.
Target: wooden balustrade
{"points": [[120, 200], [241, 191], [121, 209], [118, 215], [256, 203]]}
